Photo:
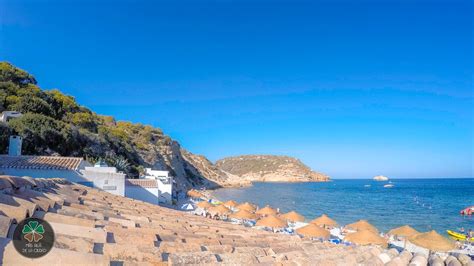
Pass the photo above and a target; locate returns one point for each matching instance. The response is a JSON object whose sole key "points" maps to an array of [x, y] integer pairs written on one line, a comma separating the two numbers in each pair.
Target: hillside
{"points": [[269, 168], [55, 124]]}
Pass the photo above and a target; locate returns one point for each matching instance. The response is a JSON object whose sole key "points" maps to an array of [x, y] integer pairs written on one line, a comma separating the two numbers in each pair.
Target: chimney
{"points": [[14, 149]]}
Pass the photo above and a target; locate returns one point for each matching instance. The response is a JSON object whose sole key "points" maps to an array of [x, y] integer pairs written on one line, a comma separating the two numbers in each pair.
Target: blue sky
{"points": [[352, 89]]}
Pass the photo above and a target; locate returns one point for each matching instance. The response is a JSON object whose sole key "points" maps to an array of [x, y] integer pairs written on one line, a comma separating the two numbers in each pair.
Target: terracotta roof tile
{"points": [[16, 181], [40, 162], [136, 232], [146, 183], [5, 223]]}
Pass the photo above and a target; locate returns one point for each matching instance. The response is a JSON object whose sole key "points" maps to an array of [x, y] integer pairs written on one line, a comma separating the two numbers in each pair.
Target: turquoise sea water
{"points": [[424, 204]]}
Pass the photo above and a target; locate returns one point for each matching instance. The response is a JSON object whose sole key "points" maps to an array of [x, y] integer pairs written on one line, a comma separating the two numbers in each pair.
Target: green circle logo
{"points": [[33, 238]]}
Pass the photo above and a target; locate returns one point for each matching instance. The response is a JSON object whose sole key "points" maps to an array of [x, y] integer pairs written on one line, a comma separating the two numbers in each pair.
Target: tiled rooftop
{"points": [[93, 227], [146, 183], [40, 162]]}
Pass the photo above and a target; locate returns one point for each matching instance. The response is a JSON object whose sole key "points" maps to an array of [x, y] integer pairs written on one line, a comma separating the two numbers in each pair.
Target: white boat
{"points": [[380, 178], [389, 185]]}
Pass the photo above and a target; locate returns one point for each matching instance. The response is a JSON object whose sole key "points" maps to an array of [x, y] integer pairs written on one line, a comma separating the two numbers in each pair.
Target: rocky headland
{"points": [[269, 168]]}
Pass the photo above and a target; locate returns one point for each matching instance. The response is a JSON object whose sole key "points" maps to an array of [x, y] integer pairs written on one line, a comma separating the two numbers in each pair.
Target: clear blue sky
{"points": [[352, 89]]}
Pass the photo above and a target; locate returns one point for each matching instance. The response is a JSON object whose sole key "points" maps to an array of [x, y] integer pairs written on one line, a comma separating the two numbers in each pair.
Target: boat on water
{"points": [[388, 185], [467, 211], [458, 236], [380, 178]]}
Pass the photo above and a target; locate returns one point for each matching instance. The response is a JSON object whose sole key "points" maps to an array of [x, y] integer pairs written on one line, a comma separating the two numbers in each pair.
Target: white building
{"points": [[142, 189], [106, 178], [71, 168], [164, 183], [7, 115], [153, 174]]}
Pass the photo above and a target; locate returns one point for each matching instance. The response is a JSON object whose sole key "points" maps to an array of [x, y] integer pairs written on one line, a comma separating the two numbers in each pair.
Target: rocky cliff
{"points": [[269, 168], [189, 170]]}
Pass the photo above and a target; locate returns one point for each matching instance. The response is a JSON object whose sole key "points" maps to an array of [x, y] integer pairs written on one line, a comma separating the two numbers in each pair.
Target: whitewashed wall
{"points": [[140, 193], [166, 191], [111, 182]]}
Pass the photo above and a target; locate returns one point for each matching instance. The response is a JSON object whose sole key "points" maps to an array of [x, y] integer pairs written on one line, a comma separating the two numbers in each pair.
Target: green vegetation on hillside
{"points": [[54, 123]]}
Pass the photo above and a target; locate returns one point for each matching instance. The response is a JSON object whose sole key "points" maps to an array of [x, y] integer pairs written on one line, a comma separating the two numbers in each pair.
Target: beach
{"points": [[425, 204]]}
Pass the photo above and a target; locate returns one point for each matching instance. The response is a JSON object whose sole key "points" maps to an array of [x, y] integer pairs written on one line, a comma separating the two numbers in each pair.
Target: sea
{"points": [[424, 204]]}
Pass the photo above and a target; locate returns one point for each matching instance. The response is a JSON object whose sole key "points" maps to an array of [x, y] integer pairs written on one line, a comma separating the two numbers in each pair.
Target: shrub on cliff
{"points": [[42, 134], [54, 123]]}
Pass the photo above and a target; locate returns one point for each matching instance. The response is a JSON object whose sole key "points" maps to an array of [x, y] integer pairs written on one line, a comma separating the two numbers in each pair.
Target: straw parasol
{"points": [[432, 241], [312, 230], [292, 216], [194, 194], [243, 214], [366, 237], [204, 205], [271, 221], [231, 203], [219, 209], [362, 225], [246, 206], [191, 193], [267, 210], [324, 220], [405, 231]]}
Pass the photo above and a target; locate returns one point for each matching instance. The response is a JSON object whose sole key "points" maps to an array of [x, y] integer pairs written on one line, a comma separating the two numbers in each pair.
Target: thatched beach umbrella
{"points": [[366, 237], [324, 220], [404, 231], [243, 214], [271, 221], [246, 206], [204, 205], [362, 225], [312, 230], [219, 210], [231, 203], [432, 241], [267, 210], [191, 193], [194, 194], [292, 216]]}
